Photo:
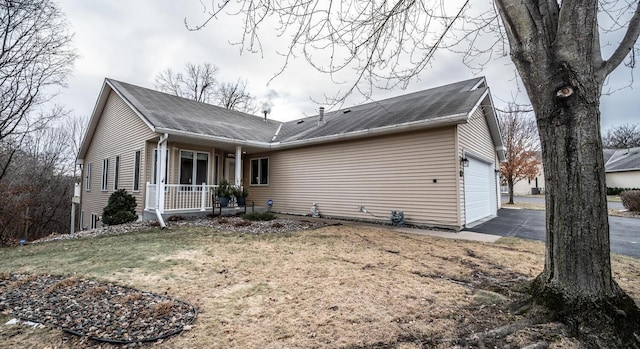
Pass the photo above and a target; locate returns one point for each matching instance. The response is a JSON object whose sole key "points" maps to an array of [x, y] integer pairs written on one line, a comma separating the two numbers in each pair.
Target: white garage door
{"points": [[479, 189]]}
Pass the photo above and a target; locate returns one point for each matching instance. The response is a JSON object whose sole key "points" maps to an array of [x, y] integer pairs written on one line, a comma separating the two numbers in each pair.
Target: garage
{"points": [[479, 190]]}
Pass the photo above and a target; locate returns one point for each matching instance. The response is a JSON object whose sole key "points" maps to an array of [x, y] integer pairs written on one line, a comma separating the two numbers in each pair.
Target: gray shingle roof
{"points": [[167, 111], [453, 99], [622, 159]]}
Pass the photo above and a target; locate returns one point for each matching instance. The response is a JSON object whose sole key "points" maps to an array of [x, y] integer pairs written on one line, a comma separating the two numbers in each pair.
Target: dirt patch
{"points": [[333, 287]]}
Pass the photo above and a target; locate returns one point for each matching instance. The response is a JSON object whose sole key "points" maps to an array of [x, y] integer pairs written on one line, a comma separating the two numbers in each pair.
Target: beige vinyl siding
{"points": [[474, 137], [627, 179], [119, 132], [387, 173]]}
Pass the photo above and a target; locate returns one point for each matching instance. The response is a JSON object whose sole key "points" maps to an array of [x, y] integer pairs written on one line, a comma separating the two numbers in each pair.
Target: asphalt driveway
{"points": [[530, 224]]}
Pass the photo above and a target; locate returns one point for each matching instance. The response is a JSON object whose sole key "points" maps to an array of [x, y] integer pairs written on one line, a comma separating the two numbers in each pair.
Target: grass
{"points": [[335, 287]]}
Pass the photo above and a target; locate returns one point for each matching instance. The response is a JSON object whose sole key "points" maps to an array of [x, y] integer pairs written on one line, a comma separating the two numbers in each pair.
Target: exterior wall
{"points": [[174, 160], [474, 138], [524, 186], [119, 132], [413, 172], [626, 179]]}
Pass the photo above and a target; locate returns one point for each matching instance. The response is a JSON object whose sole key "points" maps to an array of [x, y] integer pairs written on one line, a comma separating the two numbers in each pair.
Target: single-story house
{"points": [[531, 186], [433, 154], [622, 167]]}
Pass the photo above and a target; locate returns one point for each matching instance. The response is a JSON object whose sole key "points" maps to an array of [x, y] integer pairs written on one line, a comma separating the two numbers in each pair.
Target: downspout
{"points": [[161, 158]]}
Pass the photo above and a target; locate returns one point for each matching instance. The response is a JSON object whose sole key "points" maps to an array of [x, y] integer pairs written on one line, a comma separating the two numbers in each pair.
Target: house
{"points": [[622, 167], [433, 154], [531, 186]]}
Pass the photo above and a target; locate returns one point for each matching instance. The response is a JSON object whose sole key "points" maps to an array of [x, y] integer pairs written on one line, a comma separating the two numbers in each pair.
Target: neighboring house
{"points": [[622, 167], [531, 186], [432, 154]]}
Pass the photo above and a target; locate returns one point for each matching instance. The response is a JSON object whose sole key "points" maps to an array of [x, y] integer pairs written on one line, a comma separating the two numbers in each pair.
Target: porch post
{"points": [[238, 165], [203, 197]]}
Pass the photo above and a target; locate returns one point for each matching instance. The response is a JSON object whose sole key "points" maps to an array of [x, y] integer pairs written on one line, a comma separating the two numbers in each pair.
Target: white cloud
{"points": [[132, 41]]}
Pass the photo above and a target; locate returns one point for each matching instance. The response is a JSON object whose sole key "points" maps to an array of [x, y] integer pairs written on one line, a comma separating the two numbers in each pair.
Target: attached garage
{"points": [[479, 190]]}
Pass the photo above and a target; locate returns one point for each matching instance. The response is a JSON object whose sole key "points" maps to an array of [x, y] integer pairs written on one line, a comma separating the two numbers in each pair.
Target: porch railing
{"points": [[182, 197]]}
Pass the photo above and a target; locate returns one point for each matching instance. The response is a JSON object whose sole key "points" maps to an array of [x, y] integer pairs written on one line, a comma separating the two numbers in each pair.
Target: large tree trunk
{"points": [[560, 66]]}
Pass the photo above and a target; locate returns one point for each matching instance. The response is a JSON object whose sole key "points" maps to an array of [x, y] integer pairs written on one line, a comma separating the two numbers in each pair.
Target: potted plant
{"points": [[224, 192], [241, 195]]}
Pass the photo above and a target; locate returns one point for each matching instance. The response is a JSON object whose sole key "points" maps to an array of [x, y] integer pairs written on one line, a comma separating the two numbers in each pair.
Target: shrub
{"points": [[617, 191], [260, 216], [120, 209], [631, 200]]}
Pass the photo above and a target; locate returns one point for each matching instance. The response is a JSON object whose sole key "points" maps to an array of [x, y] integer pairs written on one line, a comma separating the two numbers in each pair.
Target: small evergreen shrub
{"points": [[631, 200], [260, 216], [120, 209]]}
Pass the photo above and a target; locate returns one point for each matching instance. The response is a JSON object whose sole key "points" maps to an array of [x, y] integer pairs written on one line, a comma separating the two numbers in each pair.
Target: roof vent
{"points": [[321, 119], [299, 122], [346, 111]]}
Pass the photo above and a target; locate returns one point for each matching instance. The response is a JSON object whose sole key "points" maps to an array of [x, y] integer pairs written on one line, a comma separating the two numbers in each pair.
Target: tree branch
{"points": [[626, 45]]}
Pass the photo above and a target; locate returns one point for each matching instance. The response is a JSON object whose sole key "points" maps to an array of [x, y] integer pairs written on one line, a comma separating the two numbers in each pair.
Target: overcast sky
{"points": [[133, 40]]}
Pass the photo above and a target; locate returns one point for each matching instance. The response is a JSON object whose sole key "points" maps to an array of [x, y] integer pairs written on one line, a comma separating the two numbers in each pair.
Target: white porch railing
{"points": [[182, 197]]}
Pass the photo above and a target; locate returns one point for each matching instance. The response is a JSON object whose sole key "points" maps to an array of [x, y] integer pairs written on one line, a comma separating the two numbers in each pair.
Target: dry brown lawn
{"points": [[336, 287]]}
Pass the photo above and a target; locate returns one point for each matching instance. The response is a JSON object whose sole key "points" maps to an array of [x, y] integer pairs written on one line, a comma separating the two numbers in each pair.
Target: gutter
{"points": [[159, 187]]}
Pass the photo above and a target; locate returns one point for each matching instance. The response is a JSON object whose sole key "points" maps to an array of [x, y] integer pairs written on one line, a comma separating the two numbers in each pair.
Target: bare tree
{"points": [[197, 82], [520, 137], [556, 49], [236, 97], [623, 136], [36, 57]]}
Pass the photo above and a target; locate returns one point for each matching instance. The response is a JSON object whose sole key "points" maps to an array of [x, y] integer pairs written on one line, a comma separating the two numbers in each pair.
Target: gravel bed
{"points": [[99, 311], [231, 223]]}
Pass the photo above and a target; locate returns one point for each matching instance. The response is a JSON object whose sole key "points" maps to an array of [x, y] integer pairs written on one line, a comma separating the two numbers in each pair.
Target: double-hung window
{"points": [[87, 177], [136, 171], [105, 174], [116, 173], [260, 171]]}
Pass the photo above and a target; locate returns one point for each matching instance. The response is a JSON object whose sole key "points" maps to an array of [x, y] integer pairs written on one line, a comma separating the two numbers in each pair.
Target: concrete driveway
{"points": [[530, 224]]}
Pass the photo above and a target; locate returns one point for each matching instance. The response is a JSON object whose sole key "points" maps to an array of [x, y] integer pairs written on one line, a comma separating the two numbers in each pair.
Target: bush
{"points": [[617, 191], [631, 200], [120, 209], [260, 216]]}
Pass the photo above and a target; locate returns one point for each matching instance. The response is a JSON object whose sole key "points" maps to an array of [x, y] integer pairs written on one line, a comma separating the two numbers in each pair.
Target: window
{"points": [[215, 169], [154, 176], [116, 173], [105, 174], [260, 171], [94, 220], [87, 177], [136, 171], [194, 167]]}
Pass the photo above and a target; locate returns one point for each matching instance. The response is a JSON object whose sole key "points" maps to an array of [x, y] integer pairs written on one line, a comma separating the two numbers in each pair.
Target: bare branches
{"points": [[622, 136], [626, 45], [198, 82], [35, 57], [386, 43], [235, 96]]}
